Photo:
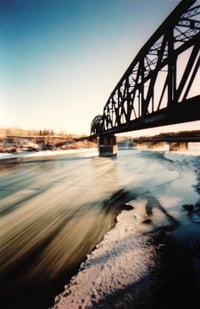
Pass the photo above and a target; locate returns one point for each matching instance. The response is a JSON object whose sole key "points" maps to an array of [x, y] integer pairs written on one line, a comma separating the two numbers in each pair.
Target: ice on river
{"points": [[122, 270], [56, 207]]}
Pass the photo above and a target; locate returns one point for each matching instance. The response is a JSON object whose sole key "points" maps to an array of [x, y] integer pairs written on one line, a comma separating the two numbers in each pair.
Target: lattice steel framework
{"points": [[162, 84]]}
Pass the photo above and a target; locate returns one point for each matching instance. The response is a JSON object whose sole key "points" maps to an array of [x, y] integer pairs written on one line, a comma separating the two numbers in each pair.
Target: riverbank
{"points": [[151, 258], [56, 208], [46, 153]]}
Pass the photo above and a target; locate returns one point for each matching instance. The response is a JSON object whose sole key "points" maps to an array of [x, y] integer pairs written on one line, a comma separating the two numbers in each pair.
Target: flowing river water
{"points": [[54, 210]]}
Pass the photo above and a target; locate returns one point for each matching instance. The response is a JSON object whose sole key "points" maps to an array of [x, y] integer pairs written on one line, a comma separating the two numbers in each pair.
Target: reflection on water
{"points": [[53, 213]]}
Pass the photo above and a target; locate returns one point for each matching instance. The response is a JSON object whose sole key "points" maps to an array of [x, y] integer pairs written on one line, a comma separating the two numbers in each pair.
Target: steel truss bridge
{"points": [[162, 84]]}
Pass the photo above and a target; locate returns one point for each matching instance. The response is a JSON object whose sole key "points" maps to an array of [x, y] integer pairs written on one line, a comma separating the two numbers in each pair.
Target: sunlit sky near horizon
{"points": [[61, 59]]}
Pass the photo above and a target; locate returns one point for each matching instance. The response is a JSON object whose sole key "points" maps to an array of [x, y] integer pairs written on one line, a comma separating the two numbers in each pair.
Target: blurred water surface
{"points": [[55, 210]]}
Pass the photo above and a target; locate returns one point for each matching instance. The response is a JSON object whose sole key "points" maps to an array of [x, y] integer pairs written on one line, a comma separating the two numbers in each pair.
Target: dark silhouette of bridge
{"points": [[162, 84]]}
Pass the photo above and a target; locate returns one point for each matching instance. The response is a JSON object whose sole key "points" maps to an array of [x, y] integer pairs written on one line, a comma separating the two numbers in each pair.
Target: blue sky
{"points": [[61, 59]]}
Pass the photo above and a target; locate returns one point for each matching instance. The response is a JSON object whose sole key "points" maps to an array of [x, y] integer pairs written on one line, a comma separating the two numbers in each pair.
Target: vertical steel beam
{"points": [[171, 79]]}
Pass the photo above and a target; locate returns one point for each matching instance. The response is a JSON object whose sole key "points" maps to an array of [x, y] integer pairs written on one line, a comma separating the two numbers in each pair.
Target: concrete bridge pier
{"points": [[107, 145]]}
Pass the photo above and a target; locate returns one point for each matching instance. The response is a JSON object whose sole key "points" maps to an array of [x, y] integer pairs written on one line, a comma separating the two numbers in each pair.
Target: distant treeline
{"points": [[22, 132], [193, 133]]}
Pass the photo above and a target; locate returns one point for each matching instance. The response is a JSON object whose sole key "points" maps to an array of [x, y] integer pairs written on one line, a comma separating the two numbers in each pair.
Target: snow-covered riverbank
{"points": [[46, 153], [151, 258]]}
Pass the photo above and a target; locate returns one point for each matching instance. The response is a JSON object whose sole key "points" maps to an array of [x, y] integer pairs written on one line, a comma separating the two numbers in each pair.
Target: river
{"points": [[54, 210]]}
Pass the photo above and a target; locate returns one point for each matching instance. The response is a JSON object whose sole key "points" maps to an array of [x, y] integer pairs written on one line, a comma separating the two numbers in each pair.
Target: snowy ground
{"points": [[46, 153], [147, 260], [151, 258]]}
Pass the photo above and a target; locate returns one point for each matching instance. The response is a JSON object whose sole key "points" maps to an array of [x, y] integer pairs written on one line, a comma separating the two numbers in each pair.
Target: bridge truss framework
{"points": [[162, 84]]}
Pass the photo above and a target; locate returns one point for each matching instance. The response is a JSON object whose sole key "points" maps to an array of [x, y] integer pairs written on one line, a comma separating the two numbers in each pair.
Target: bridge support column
{"points": [[107, 145]]}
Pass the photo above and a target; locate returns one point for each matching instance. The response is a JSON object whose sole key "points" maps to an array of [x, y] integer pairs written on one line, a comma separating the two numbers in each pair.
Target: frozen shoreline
{"points": [[125, 269], [94, 150], [147, 244], [46, 153]]}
